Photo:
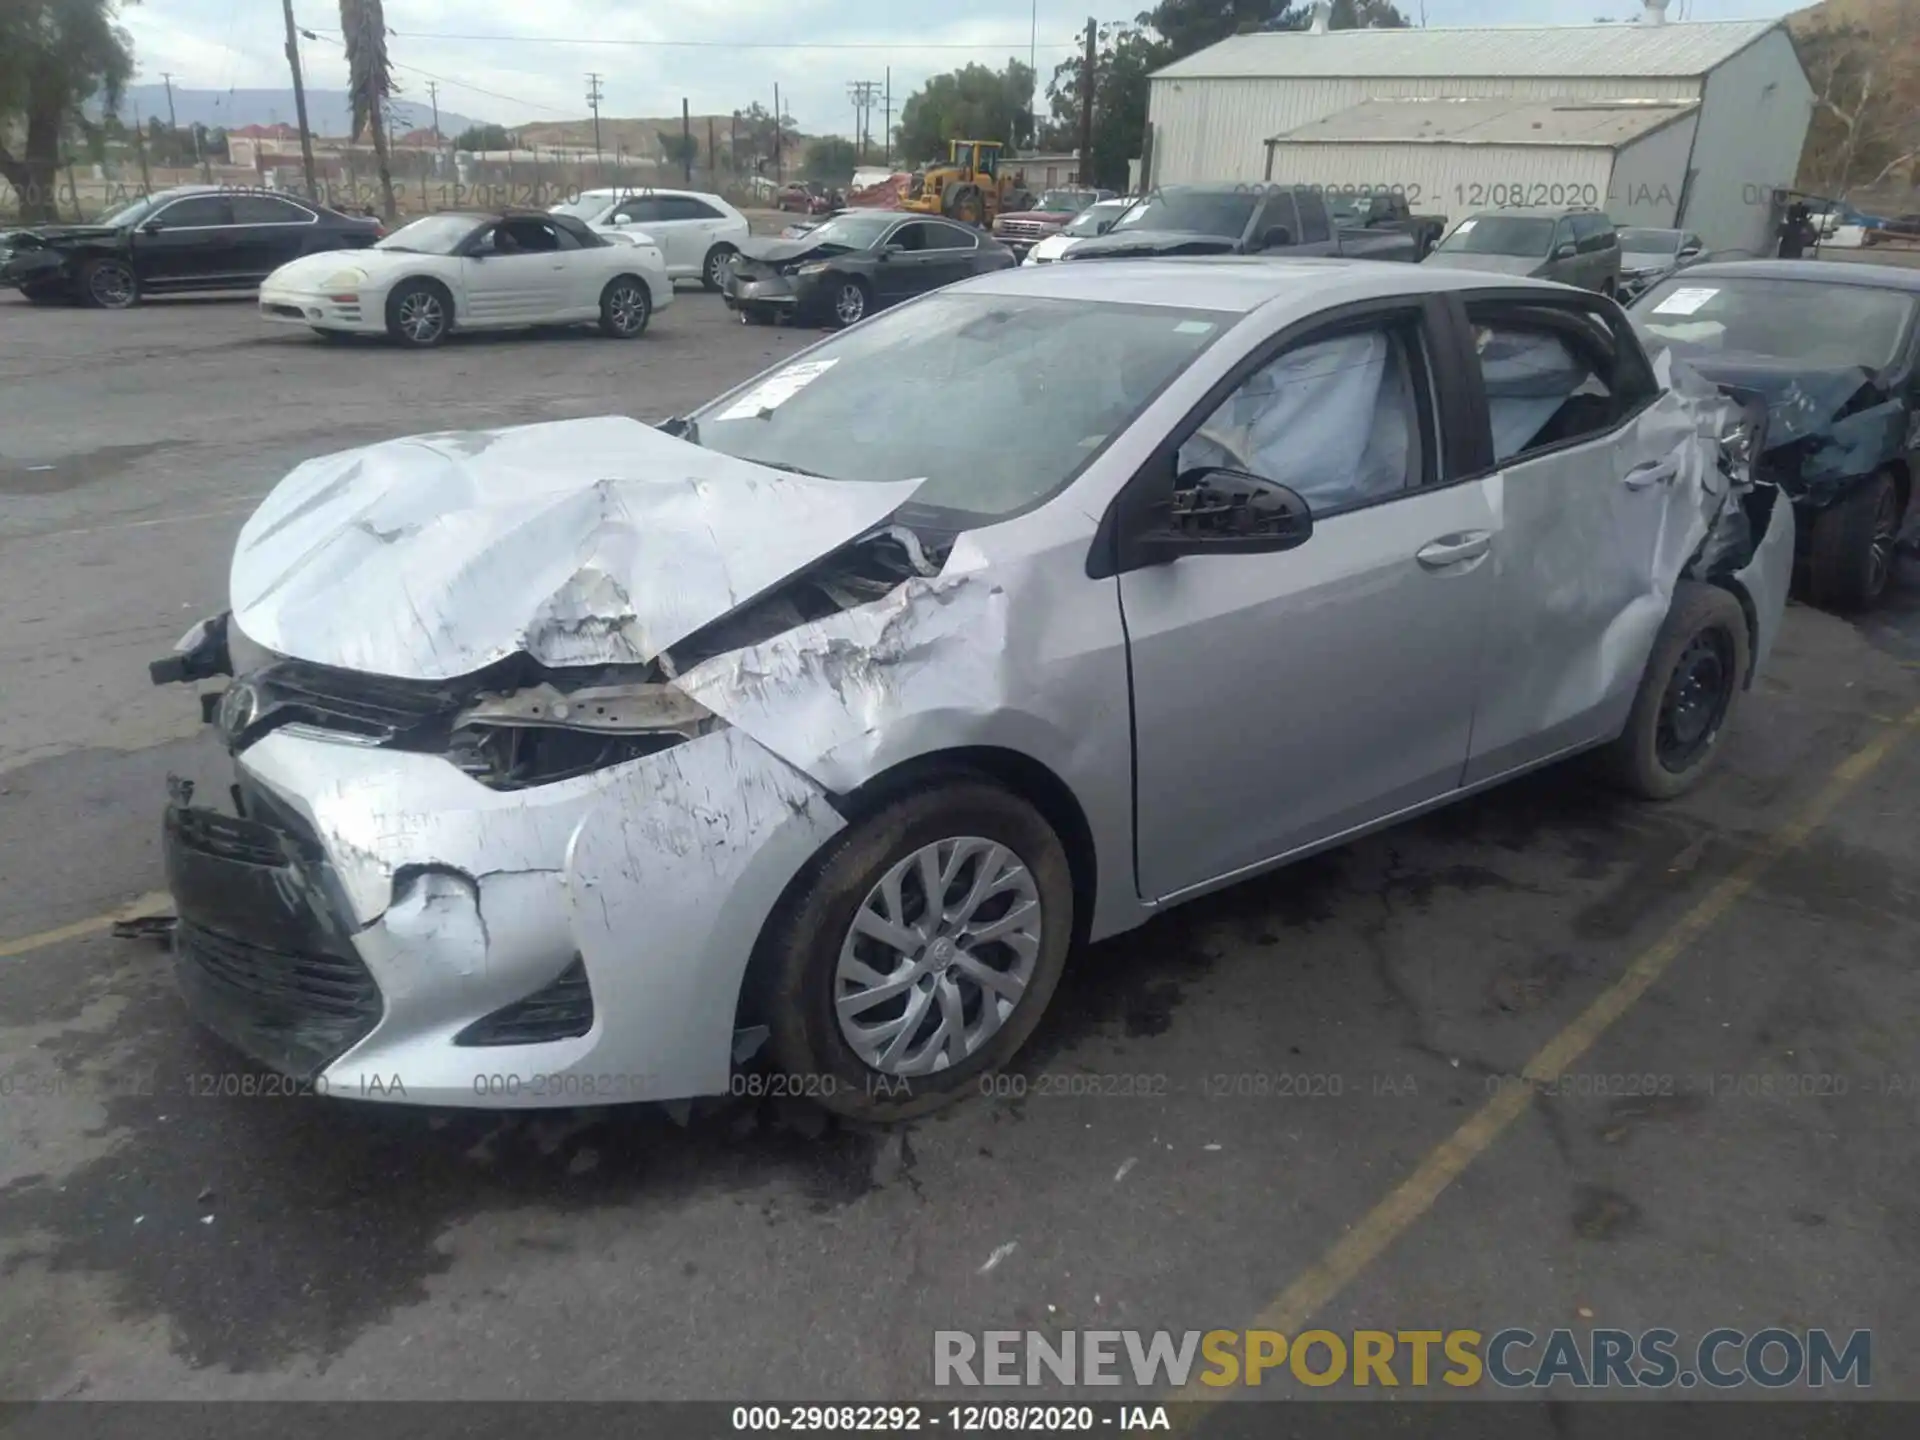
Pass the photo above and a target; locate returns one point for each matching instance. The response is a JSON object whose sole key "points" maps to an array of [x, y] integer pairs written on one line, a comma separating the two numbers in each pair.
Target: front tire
{"points": [[419, 314], [1852, 552], [713, 270], [899, 1004], [1688, 695], [851, 301], [108, 284], [625, 307]]}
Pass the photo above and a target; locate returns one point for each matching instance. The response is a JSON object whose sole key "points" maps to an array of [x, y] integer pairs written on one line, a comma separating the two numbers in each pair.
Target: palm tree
{"points": [[370, 82]]}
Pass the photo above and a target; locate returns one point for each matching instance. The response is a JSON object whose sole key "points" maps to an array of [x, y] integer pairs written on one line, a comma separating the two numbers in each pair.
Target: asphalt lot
{"points": [[157, 1240]]}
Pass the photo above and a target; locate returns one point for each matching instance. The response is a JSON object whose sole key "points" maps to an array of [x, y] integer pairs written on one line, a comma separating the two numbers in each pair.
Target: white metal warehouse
{"points": [[1694, 125]]}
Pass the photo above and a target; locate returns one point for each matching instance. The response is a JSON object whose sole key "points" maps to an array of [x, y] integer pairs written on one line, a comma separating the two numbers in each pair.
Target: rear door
{"points": [[952, 253], [269, 231], [1584, 488], [190, 242], [1281, 699], [696, 225]]}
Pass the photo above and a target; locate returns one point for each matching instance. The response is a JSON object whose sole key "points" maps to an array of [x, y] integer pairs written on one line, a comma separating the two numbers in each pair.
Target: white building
{"points": [[1692, 125]]}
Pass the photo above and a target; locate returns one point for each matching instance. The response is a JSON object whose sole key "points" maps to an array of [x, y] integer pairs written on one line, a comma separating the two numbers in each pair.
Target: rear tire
{"points": [[1853, 549], [419, 314], [804, 974], [964, 204], [1688, 695], [625, 307], [109, 284]]}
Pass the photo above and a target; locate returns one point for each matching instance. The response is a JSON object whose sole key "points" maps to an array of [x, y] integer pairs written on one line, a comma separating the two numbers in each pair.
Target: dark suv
{"points": [[1575, 247]]}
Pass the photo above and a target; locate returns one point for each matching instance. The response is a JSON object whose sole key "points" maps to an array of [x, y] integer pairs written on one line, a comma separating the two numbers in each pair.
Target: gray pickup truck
{"points": [[1371, 215], [1240, 220]]}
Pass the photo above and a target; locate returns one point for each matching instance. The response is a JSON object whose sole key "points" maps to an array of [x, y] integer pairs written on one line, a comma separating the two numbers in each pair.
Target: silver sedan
{"points": [[814, 730]]}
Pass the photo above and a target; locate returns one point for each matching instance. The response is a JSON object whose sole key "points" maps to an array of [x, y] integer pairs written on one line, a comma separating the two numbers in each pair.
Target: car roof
{"points": [[1823, 272], [1537, 212], [1236, 283], [599, 190]]}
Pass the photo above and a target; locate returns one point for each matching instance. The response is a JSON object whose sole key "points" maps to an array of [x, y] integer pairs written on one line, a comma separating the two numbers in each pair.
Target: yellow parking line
{"points": [[1414, 1196], [155, 900]]}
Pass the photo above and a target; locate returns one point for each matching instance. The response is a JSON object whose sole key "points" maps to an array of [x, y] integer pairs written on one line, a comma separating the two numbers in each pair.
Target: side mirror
{"points": [[1276, 237], [623, 218], [887, 252], [152, 227], [1692, 252], [1225, 512], [1565, 250]]}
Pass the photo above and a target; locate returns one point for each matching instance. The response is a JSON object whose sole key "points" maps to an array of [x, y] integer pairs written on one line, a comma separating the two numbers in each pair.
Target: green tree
{"points": [[680, 150], [55, 55], [831, 160], [972, 103], [1124, 56], [756, 131], [369, 83], [484, 137]]}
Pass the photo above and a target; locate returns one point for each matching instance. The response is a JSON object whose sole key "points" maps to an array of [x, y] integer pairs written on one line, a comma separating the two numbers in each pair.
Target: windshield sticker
{"points": [[1193, 327], [1685, 301], [772, 393]]}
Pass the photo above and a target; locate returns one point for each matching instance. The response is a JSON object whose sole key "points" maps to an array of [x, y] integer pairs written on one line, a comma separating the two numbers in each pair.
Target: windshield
{"points": [[1201, 212], [1650, 242], [1818, 324], [431, 234], [1089, 220], [1063, 375], [855, 232], [1528, 235], [583, 207], [136, 212], [1065, 202]]}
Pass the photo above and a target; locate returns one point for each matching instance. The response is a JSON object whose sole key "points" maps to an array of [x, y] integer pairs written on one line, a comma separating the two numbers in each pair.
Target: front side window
{"points": [[431, 235], [1313, 220], [1337, 419], [1064, 375], [638, 210]]}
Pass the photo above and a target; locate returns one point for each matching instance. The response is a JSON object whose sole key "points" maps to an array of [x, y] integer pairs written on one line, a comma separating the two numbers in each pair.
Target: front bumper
{"points": [[35, 267], [284, 306], [383, 926], [789, 296]]}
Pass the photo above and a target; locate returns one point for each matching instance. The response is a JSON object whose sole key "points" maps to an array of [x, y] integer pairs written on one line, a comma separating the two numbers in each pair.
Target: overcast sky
{"points": [[520, 71]]}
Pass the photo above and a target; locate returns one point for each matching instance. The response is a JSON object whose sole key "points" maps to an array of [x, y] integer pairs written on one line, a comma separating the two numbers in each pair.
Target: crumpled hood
{"points": [[1802, 400], [776, 252], [1154, 242], [580, 542], [54, 236], [1487, 264]]}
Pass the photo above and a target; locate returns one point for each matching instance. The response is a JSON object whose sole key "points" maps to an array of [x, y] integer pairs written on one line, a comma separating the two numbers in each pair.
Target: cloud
{"points": [[751, 45]]}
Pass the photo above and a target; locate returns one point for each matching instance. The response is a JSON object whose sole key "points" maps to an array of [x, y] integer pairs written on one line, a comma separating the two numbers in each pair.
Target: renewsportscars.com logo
{"points": [[1510, 1359]]}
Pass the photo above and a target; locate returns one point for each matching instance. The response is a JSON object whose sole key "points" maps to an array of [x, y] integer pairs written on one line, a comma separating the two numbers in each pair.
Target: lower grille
{"points": [[563, 1010], [290, 312], [329, 989]]}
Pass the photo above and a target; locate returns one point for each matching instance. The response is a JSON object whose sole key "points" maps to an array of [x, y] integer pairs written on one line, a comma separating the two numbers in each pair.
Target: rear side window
{"points": [[946, 237], [267, 210], [685, 207], [1313, 220], [1592, 233], [1555, 375]]}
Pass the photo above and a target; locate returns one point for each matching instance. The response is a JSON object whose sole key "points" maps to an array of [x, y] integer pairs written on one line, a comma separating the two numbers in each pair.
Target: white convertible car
{"points": [[474, 271]]}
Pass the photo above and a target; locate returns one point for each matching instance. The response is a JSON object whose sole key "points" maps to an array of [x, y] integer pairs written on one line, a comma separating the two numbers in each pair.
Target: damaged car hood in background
{"points": [[580, 542]]}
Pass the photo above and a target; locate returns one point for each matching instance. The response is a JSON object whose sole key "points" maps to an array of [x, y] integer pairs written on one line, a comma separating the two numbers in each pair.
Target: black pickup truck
{"points": [[1375, 214], [1240, 220]]}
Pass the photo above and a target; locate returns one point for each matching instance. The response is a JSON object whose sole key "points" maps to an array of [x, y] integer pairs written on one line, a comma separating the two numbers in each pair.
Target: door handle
{"points": [[1650, 473], [1454, 549]]}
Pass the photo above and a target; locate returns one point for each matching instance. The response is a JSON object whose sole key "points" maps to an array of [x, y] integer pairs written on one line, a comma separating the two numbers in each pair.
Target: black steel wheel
{"points": [[109, 284], [1689, 692]]}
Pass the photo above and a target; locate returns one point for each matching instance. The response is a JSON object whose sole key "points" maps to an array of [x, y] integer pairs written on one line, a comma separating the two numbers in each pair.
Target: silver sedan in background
{"points": [[592, 760]]}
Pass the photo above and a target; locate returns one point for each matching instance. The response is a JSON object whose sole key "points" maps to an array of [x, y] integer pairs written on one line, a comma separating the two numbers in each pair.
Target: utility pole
{"points": [[776, 132], [863, 94], [433, 94], [593, 100], [1033, 68], [140, 149], [889, 118], [1086, 109], [172, 124], [686, 142], [713, 156], [299, 100]]}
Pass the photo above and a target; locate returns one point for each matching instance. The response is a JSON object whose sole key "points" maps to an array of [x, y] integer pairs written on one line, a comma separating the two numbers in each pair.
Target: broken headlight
{"points": [[539, 734]]}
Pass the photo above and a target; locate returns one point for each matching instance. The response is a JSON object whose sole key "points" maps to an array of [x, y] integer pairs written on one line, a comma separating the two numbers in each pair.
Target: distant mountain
{"points": [[328, 112]]}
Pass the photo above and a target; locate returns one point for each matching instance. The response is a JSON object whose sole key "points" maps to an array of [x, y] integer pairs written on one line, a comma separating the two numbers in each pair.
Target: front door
{"points": [[514, 274], [1585, 452], [1283, 699], [910, 267], [191, 242]]}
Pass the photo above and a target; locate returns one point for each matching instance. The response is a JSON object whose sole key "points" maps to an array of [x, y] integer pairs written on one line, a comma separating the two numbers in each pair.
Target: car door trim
{"points": [[1440, 389]]}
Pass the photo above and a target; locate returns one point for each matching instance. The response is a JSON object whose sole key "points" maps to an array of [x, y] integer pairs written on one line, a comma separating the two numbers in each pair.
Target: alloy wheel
{"points": [[1886, 534], [627, 309], [422, 317], [111, 286], [850, 304], [1698, 695], [717, 269], [938, 955]]}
